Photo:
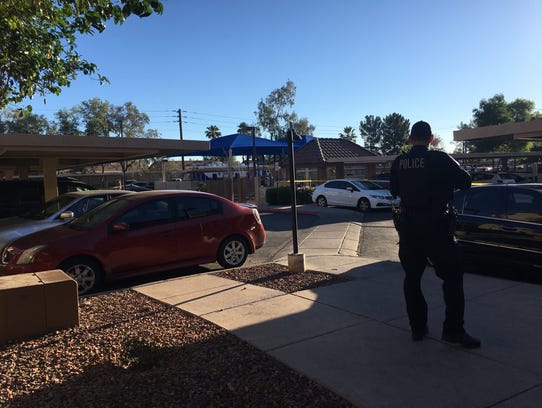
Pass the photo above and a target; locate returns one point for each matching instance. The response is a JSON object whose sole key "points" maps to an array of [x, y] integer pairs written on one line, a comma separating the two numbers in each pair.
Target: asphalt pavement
{"points": [[354, 337]]}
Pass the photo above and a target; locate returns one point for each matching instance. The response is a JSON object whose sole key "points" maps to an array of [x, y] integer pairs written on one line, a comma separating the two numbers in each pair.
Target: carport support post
{"points": [[50, 186], [296, 261]]}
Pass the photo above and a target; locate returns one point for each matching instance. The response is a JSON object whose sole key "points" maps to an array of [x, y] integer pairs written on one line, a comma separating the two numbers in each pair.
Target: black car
{"points": [[501, 224]]}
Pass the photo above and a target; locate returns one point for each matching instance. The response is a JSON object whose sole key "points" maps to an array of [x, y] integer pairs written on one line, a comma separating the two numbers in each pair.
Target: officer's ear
{"points": [[431, 139]]}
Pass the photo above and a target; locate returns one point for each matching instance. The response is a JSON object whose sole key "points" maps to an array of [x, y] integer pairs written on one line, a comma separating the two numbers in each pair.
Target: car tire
{"points": [[85, 271], [233, 252], [364, 205], [321, 201]]}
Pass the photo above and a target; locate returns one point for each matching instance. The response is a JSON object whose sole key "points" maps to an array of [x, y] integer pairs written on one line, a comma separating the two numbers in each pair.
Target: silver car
{"points": [[59, 210]]}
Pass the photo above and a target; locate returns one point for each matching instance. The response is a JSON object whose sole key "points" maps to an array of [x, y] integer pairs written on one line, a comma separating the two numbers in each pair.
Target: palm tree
{"points": [[212, 132], [243, 128], [348, 133]]}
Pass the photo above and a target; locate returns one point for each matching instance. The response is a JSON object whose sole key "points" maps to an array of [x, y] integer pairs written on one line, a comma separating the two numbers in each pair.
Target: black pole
{"points": [[293, 199], [181, 135], [254, 150]]}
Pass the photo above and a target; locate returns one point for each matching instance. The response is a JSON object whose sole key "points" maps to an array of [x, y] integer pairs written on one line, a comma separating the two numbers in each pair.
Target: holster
{"points": [[398, 217]]}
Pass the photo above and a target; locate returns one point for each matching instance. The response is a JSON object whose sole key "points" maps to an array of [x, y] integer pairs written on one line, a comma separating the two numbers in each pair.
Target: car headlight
{"points": [[380, 197], [23, 257]]}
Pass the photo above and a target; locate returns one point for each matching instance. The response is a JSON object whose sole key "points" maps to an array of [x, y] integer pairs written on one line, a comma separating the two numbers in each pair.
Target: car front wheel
{"points": [[85, 271], [321, 201], [233, 252], [364, 205]]}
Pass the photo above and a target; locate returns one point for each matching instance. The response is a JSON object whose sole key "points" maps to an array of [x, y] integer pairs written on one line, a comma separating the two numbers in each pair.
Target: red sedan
{"points": [[139, 234]]}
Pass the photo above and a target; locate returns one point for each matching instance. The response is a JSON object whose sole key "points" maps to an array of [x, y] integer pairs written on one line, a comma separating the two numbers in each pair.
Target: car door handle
{"points": [[511, 229]]}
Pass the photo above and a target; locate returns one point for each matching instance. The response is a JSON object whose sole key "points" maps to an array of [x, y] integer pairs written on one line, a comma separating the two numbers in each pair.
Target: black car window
{"points": [[483, 203], [194, 207], [86, 204], [367, 185], [340, 185], [148, 214], [524, 206], [335, 184], [98, 215]]}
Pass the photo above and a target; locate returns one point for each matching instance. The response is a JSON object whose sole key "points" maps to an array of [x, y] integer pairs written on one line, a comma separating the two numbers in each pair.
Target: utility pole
{"points": [[181, 133], [255, 173]]}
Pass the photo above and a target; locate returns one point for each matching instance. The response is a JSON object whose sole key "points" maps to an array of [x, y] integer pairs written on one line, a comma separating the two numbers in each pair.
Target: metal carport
{"points": [[23, 154]]}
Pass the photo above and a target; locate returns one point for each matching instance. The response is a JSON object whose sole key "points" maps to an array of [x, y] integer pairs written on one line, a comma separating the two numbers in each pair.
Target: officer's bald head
{"points": [[421, 132]]}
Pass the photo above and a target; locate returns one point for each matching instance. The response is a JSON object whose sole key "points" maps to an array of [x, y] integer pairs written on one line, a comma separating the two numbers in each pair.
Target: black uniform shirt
{"points": [[426, 179]]}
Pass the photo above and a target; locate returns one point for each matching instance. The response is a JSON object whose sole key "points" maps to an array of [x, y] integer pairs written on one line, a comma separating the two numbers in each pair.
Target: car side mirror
{"points": [[350, 189], [67, 215]]}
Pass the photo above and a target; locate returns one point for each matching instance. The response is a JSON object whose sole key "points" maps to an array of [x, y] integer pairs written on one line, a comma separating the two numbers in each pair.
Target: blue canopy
{"points": [[242, 145]]}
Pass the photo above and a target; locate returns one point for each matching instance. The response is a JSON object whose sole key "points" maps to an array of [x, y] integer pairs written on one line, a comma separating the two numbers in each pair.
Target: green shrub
{"points": [[281, 196]]}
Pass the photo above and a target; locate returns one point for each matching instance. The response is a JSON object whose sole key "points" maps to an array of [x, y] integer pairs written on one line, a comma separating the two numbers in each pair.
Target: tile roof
{"points": [[321, 150]]}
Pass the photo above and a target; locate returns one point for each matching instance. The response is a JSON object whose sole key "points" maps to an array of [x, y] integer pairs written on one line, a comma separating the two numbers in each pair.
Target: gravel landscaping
{"points": [[130, 350]]}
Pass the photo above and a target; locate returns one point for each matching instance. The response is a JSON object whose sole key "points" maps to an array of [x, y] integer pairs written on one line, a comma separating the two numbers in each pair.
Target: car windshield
{"points": [[51, 207], [367, 185], [99, 214]]}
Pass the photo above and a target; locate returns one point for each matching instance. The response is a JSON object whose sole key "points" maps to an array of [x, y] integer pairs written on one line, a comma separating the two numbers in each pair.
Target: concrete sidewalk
{"points": [[354, 337]]}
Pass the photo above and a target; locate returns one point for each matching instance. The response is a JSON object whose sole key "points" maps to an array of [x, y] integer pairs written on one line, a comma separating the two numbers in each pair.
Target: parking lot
{"points": [[378, 240]]}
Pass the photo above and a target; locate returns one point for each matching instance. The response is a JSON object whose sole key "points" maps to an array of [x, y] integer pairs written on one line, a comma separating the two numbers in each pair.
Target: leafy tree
{"points": [[395, 128], [302, 126], [348, 133], [522, 110], [370, 130], [272, 115], [38, 41], [100, 118], [67, 122], [95, 117], [496, 111], [493, 111], [17, 121], [127, 120], [275, 119], [212, 132], [152, 134], [437, 143]]}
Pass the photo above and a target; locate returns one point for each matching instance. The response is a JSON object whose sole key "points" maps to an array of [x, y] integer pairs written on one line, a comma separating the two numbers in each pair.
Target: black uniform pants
{"points": [[418, 244]]}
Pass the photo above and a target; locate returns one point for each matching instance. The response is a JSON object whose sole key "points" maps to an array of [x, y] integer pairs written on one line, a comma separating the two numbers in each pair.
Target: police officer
{"points": [[425, 181]]}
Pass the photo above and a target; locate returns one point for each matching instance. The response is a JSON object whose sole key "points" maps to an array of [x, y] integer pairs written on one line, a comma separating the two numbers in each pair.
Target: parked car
{"points": [[133, 187], [492, 178], [501, 223], [141, 233], [18, 196], [362, 194], [59, 210], [147, 185]]}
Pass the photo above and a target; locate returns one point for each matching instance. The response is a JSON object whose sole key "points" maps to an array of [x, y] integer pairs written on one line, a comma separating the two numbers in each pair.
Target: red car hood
{"points": [[48, 236]]}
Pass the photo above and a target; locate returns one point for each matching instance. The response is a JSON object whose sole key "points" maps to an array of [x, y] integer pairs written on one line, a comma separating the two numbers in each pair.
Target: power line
{"points": [[216, 115]]}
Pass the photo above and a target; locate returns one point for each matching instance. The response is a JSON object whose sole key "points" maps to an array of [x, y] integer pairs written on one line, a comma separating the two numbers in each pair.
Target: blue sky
{"points": [[215, 60]]}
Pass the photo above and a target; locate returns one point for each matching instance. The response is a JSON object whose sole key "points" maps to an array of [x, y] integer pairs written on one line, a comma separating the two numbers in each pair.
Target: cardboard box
{"points": [[33, 304]]}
